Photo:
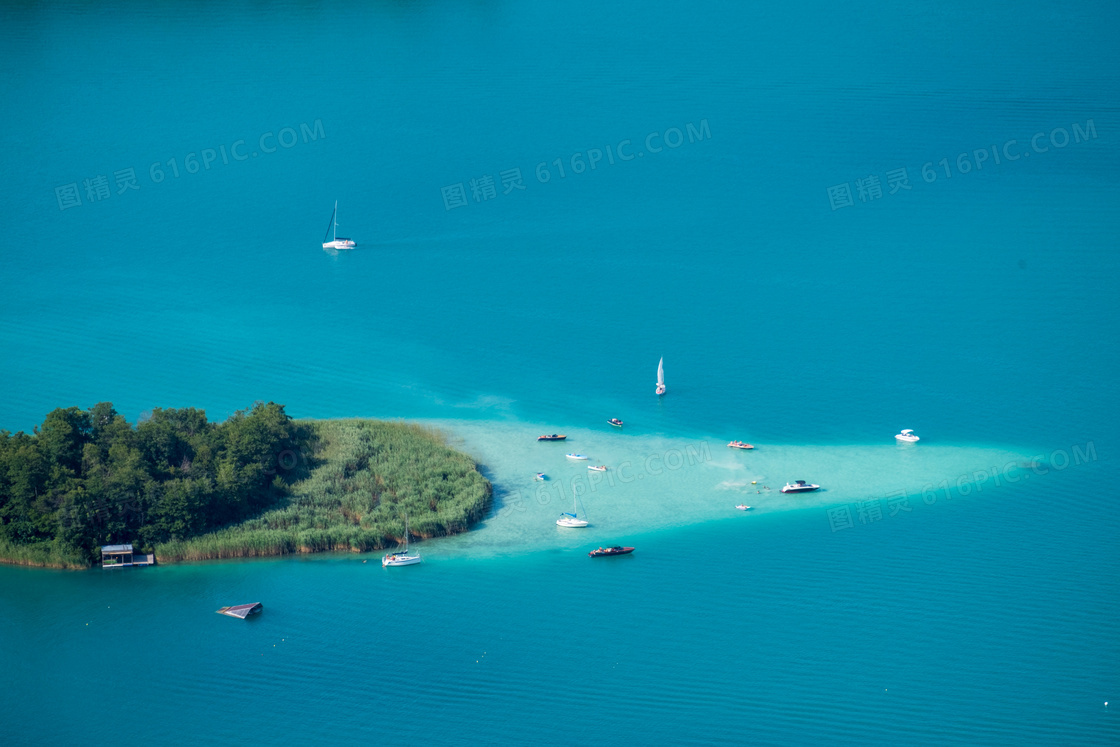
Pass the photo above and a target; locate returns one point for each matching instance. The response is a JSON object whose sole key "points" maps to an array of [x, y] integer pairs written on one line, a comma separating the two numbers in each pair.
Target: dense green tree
{"points": [[87, 478], [62, 436], [23, 478], [181, 508]]}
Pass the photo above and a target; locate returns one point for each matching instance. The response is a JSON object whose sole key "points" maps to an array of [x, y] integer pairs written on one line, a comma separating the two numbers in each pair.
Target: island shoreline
{"points": [[332, 485]]}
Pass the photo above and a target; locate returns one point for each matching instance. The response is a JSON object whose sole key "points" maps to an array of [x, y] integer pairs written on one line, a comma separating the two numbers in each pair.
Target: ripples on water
{"points": [[765, 627]]}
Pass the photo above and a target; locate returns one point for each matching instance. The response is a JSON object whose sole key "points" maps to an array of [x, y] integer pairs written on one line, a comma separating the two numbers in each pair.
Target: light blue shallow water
{"points": [[977, 308]]}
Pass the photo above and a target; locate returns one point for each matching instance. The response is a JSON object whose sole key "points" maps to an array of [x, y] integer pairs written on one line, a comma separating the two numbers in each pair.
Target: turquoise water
{"points": [[977, 308]]}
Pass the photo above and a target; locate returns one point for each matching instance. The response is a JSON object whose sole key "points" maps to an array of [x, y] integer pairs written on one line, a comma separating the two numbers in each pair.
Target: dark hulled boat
{"points": [[605, 551]]}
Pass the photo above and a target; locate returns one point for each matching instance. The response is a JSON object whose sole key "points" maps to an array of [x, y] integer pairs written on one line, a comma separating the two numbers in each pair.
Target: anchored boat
{"points": [[603, 552], [572, 520], [336, 242], [800, 486], [401, 557]]}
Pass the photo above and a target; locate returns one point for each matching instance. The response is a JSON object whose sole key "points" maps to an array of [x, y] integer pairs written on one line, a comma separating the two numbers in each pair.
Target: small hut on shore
{"points": [[121, 556]]}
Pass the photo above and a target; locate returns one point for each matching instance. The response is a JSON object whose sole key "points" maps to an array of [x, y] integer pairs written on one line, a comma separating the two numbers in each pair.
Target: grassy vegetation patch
{"points": [[365, 476]]}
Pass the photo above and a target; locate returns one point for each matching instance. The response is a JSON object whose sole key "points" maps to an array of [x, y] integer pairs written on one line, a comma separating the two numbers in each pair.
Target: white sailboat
{"points": [[332, 231], [401, 557], [661, 376], [572, 520]]}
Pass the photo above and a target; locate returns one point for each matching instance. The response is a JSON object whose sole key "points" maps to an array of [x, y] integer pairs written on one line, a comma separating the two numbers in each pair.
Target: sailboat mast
{"points": [[331, 227]]}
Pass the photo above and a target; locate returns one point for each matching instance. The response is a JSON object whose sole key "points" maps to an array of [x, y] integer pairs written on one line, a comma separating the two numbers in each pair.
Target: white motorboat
{"points": [[907, 436], [599, 468], [401, 557], [541, 476], [660, 377], [577, 457], [800, 486], [743, 507], [332, 230]]}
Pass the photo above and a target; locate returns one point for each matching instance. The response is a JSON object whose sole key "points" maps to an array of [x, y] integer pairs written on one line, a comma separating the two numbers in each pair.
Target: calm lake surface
{"points": [[833, 222]]}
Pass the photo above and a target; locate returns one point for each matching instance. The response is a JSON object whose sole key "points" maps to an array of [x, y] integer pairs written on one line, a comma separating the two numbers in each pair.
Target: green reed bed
{"points": [[365, 476], [52, 554]]}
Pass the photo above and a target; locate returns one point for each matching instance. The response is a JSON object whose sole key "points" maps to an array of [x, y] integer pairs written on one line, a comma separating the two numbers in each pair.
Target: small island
{"points": [[257, 484]]}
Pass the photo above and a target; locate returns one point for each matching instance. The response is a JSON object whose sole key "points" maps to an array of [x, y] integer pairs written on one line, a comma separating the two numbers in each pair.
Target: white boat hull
{"points": [[392, 560], [906, 439], [336, 242], [571, 523], [578, 457]]}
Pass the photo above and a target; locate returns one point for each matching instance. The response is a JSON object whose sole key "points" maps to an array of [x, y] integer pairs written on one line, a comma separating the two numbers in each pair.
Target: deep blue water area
{"points": [[747, 218]]}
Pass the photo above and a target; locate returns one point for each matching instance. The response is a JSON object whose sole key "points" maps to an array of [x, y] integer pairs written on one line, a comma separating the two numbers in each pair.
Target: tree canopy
{"points": [[85, 478]]}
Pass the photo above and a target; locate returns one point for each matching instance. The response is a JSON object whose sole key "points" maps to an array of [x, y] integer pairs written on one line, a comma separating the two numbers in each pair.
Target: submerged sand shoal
{"points": [[655, 481]]}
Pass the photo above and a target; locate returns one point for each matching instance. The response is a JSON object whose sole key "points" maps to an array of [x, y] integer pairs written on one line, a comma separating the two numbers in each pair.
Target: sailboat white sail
{"points": [[661, 376], [332, 231], [572, 520], [401, 557]]}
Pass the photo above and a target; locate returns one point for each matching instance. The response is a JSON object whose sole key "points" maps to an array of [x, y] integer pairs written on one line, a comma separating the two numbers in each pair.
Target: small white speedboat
{"points": [[600, 468], [583, 457], [541, 476], [742, 507], [800, 486], [907, 436]]}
